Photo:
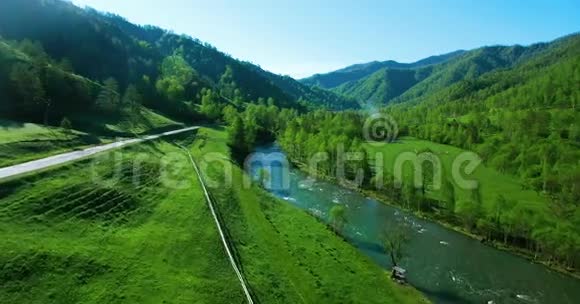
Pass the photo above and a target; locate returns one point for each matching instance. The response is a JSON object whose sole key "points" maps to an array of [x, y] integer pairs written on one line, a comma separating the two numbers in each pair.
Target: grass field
{"points": [[21, 142], [126, 239], [491, 182], [142, 121], [287, 255], [133, 237]]}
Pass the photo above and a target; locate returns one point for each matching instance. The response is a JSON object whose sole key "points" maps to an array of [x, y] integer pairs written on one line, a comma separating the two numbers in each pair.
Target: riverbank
{"points": [[518, 251], [286, 255], [506, 248]]}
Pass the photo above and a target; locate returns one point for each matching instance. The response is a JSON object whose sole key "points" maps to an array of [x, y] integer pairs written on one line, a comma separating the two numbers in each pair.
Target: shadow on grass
{"points": [[10, 124]]}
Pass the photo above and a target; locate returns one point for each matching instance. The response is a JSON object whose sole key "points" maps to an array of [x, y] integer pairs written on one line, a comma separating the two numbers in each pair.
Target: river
{"points": [[446, 266]]}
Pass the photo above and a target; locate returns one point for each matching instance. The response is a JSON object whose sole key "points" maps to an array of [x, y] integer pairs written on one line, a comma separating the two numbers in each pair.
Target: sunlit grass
{"points": [[66, 239], [491, 182]]}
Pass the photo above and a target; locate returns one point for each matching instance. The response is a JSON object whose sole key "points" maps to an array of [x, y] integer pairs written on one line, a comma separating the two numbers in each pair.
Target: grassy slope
{"points": [[492, 183], [287, 255], [68, 240], [143, 121], [21, 142]]}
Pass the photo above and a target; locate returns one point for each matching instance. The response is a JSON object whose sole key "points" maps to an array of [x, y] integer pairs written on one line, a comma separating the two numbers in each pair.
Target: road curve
{"points": [[76, 155]]}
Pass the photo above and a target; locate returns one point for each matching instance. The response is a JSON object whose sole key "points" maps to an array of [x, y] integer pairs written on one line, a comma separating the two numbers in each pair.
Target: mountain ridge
{"points": [[382, 83], [362, 70]]}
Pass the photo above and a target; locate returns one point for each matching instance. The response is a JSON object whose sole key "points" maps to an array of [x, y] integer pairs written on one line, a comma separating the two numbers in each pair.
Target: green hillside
{"points": [[382, 85], [134, 55], [360, 71], [69, 239], [392, 82], [472, 65]]}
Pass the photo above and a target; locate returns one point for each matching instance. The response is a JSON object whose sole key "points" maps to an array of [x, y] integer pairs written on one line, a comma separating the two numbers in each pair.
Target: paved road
{"points": [[76, 155]]}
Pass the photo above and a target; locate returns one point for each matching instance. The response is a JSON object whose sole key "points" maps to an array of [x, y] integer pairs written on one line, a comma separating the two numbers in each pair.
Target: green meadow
{"points": [[491, 182], [287, 255], [21, 142], [105, 230], [125, 238]]}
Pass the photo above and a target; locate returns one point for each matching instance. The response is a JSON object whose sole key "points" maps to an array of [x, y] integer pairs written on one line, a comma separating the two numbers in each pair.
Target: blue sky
{"points": [[303, 37]]}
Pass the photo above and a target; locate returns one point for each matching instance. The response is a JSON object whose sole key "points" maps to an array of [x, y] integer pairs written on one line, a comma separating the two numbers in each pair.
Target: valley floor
{"points": [[115, 230]]}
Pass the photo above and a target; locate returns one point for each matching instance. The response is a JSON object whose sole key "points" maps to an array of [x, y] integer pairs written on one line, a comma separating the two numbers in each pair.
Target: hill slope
{"points": [[385, 84], [359, 71], [392, 82], [523, 122], [163, 71]]}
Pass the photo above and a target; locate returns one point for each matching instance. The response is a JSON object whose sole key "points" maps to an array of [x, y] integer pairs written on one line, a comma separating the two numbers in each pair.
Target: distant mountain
{"points": [[306, 94], [470, 65], [541, 75], [382, 83], [385, 84], [359, 71]]}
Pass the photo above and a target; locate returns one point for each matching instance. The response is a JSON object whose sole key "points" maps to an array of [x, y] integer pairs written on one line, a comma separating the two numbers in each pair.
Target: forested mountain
{"points": [[385, 84], [103, 58], [391, 82], [304, 93], [363, 70], [471, 65], [523, 121]]}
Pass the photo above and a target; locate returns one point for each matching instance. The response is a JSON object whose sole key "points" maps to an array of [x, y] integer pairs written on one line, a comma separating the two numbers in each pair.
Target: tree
{"points": [[227, 84], [66, 125], [338, 218], [428, 170], [132, 98], [236, 139], [251, 132], [229, 114], [209, 106], [108, 99], [448, 191], [499, 206], [409, 193], [28, 90], [469, 212], [176, 76], [66, 65], [177, 68], [35, 50], [395, 238]]}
